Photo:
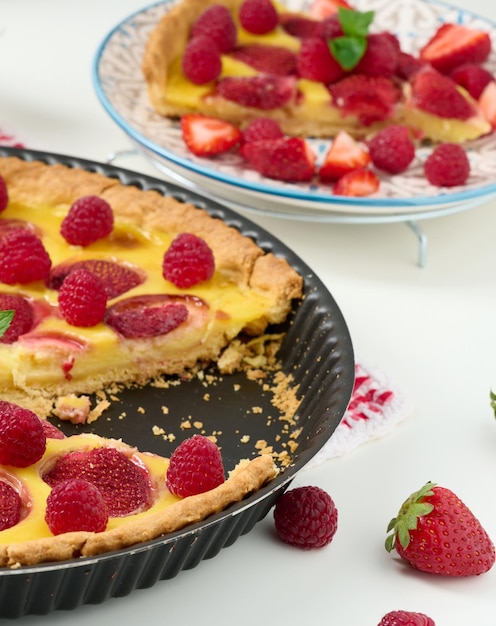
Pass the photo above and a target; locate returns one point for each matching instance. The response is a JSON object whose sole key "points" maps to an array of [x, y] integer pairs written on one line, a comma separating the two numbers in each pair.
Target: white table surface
{"points": [[431, 329]]}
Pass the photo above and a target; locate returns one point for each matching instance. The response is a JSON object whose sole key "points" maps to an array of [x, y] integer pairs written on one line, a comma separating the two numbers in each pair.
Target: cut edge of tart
{"points": [[30, 541], [249, 290]]}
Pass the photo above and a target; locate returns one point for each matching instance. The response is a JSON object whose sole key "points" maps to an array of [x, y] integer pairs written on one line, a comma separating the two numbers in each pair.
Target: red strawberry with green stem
{"points": [[437, 533]]}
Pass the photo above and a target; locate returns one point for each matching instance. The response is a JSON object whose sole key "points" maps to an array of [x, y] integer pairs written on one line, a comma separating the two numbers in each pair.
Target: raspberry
{"points": [[473, 78], [82, 299], [262, 128], [217, 24], [392, 150], [306, 517], [188, 261], [286, 158], [195, 467], [331, 27], [125, 487], [90, 218], [299, 26], [117, 277], [23, 258], [258, 16], [23, 319], [381, 56], [22, 438], [75, 505], [447, 165], [201, 60], [406, 618], [315, 61], [10, 506], [146, 316], [4, 195]]}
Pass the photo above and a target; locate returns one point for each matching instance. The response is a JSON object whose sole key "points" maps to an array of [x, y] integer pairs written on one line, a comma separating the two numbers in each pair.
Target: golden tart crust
{"points": [[250, 288], [167, 514]]}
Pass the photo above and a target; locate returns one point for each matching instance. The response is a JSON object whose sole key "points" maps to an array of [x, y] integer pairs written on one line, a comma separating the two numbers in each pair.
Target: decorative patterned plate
{"points": [[120, 86], [317, 352]]}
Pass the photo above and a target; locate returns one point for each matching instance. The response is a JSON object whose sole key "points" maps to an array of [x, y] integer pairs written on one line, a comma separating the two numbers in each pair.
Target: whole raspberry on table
{"points": [[406, 618], [82, 299], [4, 195], [89, 219], [201, 60], [22, 437], [392, 149], [447, 165], [23, 258], [124, 485], [23, 319], [217, 24], [195, 467], [75, 505], [10, 506], [306, 517], [188, 261], [258, 16]]}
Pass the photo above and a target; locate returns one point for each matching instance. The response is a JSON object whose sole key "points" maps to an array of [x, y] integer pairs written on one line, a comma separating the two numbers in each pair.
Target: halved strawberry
{"points": [[262, 92], [207, 136], [268, 59], [455, 44], [439, 95], [323, 8], [117, 277], [344, 155], [288, 158], [360, 182], [487, 103], [299, 26], [153, 315], [124, 485]]}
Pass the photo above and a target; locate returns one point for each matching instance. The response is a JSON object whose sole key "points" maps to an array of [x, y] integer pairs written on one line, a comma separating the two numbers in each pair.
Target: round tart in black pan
{"points": [[317, 352]]}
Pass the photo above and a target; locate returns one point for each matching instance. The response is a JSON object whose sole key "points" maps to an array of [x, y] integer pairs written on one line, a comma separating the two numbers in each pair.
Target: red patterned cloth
{"points": [[376, 406]]}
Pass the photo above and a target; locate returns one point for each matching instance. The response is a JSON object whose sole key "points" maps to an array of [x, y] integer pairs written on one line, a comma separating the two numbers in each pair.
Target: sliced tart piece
{"points": [[150, 325]]}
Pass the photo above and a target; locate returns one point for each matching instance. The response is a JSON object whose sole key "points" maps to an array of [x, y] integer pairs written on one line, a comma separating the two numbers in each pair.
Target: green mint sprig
{"points": [[349, 48], [6, 318], [492, 397]]}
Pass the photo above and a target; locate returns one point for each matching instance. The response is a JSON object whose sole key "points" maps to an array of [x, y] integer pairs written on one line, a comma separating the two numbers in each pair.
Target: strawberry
{"points": [[370, 98], [154, 315], [262, 92], [344, 155], [436, 532], [125, 485], [315, 61], [299, 26], [438, 94], [207, 136], [321, 9], [288, 158], [381, 56], [360, 182], [473, 78], [487, 103], [116, 277], [268, 59], [455, 44]]}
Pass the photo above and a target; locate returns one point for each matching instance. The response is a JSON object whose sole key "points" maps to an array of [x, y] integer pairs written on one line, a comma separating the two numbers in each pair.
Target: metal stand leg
{"points": [[422, 241]]}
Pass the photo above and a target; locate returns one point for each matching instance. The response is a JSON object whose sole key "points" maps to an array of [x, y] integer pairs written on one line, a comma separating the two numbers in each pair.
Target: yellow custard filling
{"points": [[35, 491], [40, 357]]}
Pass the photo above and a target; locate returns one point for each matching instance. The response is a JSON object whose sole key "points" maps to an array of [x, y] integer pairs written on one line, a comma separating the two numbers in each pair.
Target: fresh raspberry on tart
{"points": [[82, 298], [89, 219], [23, 319], [23, 257]]}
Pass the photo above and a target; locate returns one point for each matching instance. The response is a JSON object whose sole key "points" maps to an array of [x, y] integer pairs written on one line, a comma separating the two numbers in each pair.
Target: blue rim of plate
{"points": [[473, 196]]}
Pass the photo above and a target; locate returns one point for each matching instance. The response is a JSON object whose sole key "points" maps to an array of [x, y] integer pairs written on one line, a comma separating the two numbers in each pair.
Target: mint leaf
{"points": [[348, 50], [352, 45], [492, 397], [6, 318], [355, 23]]}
